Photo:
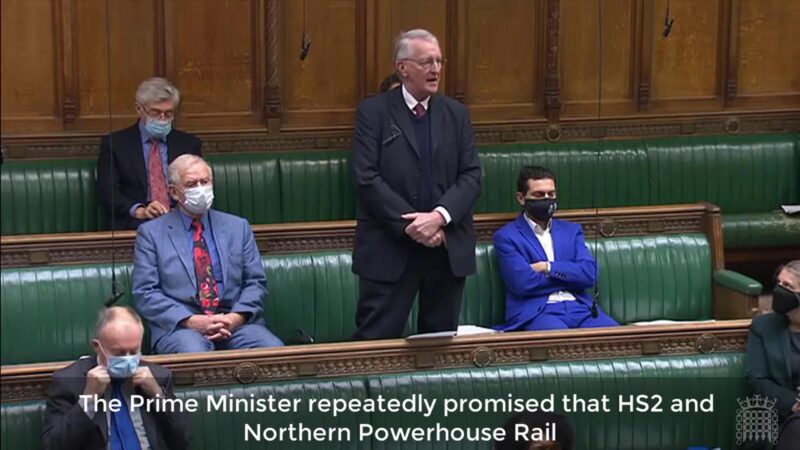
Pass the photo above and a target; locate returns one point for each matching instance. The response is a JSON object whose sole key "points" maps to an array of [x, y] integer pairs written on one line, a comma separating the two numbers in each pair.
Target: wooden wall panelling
{"points": [[391, 18], [29, 84], [769, 54], [125, 44], [645, 51], [213, 51], [322, 90], [687, 65], [594, 48], [505, 42]]}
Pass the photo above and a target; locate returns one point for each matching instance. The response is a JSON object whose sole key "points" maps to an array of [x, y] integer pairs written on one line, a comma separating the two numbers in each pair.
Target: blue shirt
{"points": [[208, 235], [147, 145]]}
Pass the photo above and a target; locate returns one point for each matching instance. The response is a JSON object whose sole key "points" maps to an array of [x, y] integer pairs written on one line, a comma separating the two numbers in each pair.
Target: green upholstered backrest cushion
{"points": [[52, 196], [655, 277], [248, 185], [641, 278], [215, 430], [690, 376], [21, 425], [315, 293], [316, 186], [590, 174], [49, 313], [694, 376], [750, 173]]}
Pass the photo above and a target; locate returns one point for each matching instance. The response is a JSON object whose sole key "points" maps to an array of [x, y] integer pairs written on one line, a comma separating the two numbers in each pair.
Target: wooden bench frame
{"points": [[30, 381], [98, 247]]}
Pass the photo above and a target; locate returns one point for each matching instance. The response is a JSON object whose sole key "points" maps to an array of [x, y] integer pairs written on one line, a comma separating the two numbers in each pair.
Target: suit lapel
{"points": [[172, 147], [134, 150], [222, 241], [400, 116], [178, 238], [558, 250], [527, 233], [786, 351], [437, 119]]}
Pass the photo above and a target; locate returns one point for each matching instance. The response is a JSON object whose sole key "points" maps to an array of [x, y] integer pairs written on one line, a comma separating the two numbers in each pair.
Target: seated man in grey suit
{"points": [[197, 274]]}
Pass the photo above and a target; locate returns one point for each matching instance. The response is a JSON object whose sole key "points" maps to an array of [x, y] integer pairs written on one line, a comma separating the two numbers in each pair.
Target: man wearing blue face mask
{"points": [[116, 372], [133, 162], [545, 263], [197, 273]]}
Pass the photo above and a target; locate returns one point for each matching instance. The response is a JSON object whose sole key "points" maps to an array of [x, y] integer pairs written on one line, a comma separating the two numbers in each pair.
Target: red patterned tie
{"points": [[207, 289], [158, 183], [419, 110]]}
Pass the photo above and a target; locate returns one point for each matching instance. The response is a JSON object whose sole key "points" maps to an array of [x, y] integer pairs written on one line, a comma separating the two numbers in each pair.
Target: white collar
{"points": [[537, 229], [411, 102]]}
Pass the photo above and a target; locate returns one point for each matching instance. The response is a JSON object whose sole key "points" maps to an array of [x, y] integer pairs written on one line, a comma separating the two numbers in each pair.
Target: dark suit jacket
{"points": [[768, 364], [67, 427], [386, 170], [527, 292], [130, 174]]}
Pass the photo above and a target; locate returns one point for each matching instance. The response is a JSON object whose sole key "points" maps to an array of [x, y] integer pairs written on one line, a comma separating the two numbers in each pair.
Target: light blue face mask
{"points": [[122, 366], [158, 128]]}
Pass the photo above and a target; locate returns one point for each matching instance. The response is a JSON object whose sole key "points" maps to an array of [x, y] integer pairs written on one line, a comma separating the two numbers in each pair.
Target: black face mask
{"points": [[784, 300], [542, 209]]}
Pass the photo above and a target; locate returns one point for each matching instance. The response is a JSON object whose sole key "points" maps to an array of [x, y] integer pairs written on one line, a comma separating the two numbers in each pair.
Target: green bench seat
{"points": [[48, 312], [672, 377]]}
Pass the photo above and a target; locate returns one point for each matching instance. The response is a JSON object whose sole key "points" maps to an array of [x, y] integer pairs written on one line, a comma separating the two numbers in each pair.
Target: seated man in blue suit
{"points": [[545, 263], [197, 274]]}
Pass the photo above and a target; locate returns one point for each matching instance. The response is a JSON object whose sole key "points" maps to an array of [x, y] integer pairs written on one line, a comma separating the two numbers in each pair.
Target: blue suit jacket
{"points": [[573, 270], [164, 280]]}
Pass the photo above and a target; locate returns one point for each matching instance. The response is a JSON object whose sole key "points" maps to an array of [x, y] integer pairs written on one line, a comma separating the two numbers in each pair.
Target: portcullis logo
{"points": [[756, 420]]}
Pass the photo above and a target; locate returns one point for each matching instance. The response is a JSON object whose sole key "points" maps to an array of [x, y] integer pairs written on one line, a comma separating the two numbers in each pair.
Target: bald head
{"points": [[119, 332]]}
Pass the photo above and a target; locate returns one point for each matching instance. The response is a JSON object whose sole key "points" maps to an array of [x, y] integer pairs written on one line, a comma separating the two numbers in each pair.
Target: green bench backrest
{"points": [[316, 186], [749, 173], [691, 376], [248, 185], [752, 173], [53, 196], [590, 174], [655, 277], [48, 313]]}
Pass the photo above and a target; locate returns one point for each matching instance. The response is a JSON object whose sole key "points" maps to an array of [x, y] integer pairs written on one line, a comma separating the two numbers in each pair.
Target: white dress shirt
{"points": [[545, 238]]}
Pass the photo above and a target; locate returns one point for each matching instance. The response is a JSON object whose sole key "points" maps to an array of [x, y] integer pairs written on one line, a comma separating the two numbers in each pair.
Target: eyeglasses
{"points": [[428, 63], [158, 113]]}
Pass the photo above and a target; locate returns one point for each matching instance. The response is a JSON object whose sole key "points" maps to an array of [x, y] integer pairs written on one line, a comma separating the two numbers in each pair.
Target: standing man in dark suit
{"points": [[115, 372], [417, 179], [141, 154]]}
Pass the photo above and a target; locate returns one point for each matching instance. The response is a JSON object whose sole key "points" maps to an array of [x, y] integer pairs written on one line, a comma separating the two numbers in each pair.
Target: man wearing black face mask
{"points": [[545, 263], [773, 351]]}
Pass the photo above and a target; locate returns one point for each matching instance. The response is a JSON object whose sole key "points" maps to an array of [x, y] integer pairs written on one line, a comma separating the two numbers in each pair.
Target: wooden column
{"points": [[552, 92], [272, 94]]}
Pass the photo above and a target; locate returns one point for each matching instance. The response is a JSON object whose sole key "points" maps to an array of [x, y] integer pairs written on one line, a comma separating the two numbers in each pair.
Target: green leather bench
{"points": [[641, 278], [672, 377], [748, 176]]}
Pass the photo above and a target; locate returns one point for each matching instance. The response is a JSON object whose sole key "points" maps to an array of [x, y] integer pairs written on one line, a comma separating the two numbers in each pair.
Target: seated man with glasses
{"points": [[132, 167], [545, 263]]}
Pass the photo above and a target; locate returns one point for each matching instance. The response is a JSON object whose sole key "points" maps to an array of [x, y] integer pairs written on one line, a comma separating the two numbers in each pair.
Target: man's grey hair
{"points": [[402, 44], [183, 162], [794, 268], [156, 90], [108, 315]]}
